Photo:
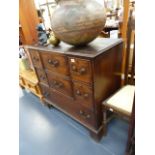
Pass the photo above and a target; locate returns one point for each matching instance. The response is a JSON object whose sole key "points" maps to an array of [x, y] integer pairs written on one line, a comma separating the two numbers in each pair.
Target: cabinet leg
{"points": [[45, 103], [49, 106], [97, 136]]}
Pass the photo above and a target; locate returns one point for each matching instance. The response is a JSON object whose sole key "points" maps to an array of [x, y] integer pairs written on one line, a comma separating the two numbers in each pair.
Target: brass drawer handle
{"points": [[49, 61], [84, 115], [78, 92], [35, 59], [82, 70], [54, 82], [54, 63], [74, 68], [86, 95], [88, 116], [81, 112], [42, 77], [57, 84]]}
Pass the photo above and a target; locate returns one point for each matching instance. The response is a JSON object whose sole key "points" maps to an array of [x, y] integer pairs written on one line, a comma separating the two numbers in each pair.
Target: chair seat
{"points": [[122, 100]]}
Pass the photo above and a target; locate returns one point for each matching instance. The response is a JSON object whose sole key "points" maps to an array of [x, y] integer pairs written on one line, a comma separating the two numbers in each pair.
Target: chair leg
{"points": [[105, 120]]}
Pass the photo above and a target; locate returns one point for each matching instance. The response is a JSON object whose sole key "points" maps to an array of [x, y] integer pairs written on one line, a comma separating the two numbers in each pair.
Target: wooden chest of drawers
{"points": [[77, 79]]}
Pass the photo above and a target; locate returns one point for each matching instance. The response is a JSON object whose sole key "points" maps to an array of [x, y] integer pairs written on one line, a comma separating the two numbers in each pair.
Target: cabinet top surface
{"points": [[93, 49]]}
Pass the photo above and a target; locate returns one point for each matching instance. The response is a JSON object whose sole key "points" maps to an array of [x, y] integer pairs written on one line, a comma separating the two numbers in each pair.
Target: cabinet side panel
{"points": [[107, 76]]}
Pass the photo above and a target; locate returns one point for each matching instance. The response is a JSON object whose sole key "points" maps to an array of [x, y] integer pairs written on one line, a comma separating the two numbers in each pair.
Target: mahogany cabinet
{"points": [[77, 79]]}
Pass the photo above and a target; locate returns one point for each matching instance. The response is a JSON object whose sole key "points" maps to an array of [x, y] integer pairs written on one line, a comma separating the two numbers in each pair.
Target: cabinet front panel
{"points": [[70, 106], [41, 76], [45, 92], [60, 84], [56, 63], [80, 69], [36, 59], [83, 95]]}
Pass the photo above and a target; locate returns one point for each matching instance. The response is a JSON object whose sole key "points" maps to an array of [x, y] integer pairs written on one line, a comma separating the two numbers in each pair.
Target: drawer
{"points": [[83, 95], [55, 63], [42, 76], [36, 59], [78, 112], [80, 69], [60, 84], [45, 92], [85, 116]]}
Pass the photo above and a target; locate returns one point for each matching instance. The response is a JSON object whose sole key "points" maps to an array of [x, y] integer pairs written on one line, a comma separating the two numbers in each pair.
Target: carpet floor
{"points": [[44, 131]]}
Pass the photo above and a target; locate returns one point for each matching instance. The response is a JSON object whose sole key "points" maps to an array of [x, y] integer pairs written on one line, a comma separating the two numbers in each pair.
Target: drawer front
{"points": [[55, 63], [80, 69], [36, 59], [85, 116], [78, 112], [45, 92], [60, 84], [42, 76], [83, 95]]}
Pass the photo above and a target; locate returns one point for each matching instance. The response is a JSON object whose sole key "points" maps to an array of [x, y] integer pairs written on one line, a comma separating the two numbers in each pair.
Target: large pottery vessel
{"points": [[78, 22]]}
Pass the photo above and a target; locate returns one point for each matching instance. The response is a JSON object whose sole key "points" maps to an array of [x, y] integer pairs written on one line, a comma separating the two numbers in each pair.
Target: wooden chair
{"points": [[130, 149], [121, 102]]}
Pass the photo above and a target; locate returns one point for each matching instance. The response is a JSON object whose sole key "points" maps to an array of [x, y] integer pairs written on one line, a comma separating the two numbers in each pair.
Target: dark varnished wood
{"points": [[35, 57], [80, 69], [60, 83], [45, 91], [93, 49], [41, 76], [84, 95], [97, 137], [107, 77], [84, 115], [81, 113], [55, 62], [81, 79]]}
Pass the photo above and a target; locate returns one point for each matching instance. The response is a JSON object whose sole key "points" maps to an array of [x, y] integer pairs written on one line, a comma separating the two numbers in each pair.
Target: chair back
{"points": [[130, 51]]}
